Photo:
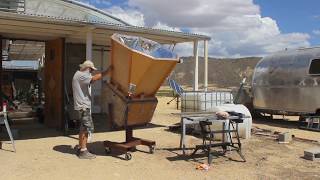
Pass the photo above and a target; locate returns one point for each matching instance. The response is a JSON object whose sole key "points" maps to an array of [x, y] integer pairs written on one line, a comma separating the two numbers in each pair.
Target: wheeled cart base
{"points": [[129, 145]]}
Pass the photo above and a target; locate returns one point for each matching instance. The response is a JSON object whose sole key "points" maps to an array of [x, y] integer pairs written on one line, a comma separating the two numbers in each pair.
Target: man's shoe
{"points": [[86, 155], [77, 149]]}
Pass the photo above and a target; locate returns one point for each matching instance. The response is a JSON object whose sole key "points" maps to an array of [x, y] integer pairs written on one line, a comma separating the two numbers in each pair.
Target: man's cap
{"points": [[87, 64]]}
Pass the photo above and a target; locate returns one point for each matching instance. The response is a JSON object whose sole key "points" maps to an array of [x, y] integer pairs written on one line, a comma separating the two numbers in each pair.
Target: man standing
{"points": [[82, 103]]}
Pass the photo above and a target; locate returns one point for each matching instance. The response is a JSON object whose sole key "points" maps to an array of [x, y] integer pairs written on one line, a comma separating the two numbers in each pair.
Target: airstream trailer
{"points": [[288, 83]]}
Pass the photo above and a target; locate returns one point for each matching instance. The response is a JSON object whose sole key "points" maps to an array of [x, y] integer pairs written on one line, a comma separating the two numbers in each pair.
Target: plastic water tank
{"points": [[245, 127], [195, 101]]}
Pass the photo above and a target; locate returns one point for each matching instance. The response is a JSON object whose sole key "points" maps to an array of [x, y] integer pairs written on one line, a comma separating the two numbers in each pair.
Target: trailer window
{"points": [[315, 67]]}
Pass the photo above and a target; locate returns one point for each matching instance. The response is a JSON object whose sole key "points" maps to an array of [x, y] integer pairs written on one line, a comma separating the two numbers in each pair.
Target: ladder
{"points": [[4, 119], [312, 123]]}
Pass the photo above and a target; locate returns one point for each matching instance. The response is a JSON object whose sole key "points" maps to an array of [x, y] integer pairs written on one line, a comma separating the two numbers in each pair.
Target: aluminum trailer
{"points": [[288, 83]]}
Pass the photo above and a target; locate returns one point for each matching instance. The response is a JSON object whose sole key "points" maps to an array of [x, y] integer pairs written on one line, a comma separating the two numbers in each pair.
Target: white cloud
{"points": [[235, 26], [316, 32], [131, 16]]}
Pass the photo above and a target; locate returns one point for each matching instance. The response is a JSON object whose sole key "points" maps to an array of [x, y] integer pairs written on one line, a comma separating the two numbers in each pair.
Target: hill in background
{"points": [[221, 72]]}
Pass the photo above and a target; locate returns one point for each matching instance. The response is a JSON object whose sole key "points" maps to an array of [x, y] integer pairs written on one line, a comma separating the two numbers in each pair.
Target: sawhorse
{"points": [[4, 119]]}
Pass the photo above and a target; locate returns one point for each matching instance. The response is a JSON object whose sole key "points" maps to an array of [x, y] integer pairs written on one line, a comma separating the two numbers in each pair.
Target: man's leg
{"points": [[83, 139], [85, 121]]}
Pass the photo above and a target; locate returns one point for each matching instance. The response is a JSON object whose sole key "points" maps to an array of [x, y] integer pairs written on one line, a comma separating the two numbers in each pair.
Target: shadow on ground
{"points": [[97, 148], [282, 123], [200, 157], [36, 130]]}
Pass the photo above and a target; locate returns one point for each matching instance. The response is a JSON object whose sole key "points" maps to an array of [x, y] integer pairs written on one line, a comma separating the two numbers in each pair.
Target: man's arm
{"points": [[99, 76]]}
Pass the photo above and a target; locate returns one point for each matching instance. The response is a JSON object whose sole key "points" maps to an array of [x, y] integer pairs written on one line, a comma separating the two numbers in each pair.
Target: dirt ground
{"points": [[45, 154]]}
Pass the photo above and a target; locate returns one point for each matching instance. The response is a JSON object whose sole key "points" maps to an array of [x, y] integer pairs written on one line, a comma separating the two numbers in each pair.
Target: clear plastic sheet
{"points": [[146, 46]]}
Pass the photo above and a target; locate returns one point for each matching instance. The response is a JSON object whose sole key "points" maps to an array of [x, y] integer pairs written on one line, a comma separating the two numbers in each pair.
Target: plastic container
{"points": [[245, 127], [195, 101]]}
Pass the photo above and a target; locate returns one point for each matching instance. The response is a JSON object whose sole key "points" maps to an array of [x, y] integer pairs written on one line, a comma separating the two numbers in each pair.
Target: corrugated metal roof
{"points": [[69, 9], [53, 19], [95, 9], [72, 12]]}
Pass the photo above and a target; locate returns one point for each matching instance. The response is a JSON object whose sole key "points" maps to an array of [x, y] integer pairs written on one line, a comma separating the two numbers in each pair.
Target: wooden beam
{"points": [[35, 30], [41, 25], [27, 34]]}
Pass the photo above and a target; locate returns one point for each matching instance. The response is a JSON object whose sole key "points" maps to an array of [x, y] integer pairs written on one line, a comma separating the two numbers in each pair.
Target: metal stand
{"points": [[130, 143], [234, 124], [6, 123], [178, 100]]}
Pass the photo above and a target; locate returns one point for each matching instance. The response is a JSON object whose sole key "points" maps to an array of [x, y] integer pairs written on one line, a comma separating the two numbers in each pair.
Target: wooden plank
{"points": [[36, 29], [39, 24], [53, 88], [27, 33]]}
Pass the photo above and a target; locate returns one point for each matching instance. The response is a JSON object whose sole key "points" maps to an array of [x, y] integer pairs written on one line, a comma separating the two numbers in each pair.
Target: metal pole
{"points": [[196, 64], [89, 45], [206, 65], [1, 69]]}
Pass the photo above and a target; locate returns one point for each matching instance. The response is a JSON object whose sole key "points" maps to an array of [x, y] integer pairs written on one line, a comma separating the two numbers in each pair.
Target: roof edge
{"points": [[80, 4], [98, 24]]}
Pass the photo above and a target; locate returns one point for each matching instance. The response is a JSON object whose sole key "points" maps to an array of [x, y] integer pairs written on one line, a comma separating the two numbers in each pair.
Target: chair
{"points": [[177, 91], [208, 137]]}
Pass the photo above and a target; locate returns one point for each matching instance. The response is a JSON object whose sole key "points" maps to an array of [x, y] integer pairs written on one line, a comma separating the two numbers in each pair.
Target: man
{"points": [[82, 103]]}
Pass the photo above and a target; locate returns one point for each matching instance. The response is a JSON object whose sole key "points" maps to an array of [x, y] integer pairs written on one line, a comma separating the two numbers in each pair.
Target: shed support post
{"points": [[196, 66], [206, 65], [1, 72], [89, 45]]}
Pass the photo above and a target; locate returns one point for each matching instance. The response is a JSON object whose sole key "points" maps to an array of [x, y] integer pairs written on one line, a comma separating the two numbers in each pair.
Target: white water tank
{"points": [[197, 101], [245, 127]]}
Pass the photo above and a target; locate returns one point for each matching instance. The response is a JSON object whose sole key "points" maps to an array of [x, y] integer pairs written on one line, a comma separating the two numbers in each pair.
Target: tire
{"points": [[107, 150], [128, 156], [152, 149]]}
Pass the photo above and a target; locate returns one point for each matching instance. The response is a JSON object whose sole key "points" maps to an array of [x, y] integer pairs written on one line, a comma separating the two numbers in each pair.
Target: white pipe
{"points": [[89, 45], [196, 65], [206, 65]]}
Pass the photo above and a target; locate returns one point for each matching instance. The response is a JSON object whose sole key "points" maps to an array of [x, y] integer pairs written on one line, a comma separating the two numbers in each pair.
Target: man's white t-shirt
{"points": [[81, 90]]}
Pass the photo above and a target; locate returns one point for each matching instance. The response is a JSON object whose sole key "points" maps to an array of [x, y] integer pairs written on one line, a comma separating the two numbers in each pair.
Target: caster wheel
{"points": [[128, 156], [152, 149], [107, 150]]}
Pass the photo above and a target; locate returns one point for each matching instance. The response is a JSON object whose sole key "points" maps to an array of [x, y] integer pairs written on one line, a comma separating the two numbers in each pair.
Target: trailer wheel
{"points": [[107, 150], [128, 156], [152, 149]]}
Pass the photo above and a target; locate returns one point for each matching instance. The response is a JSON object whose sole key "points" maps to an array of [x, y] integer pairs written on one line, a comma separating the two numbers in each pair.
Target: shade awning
{"points": [[42, 28]]}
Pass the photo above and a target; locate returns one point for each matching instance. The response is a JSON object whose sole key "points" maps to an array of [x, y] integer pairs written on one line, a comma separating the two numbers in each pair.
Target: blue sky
{"points": [[238, 28], [294, 15]]}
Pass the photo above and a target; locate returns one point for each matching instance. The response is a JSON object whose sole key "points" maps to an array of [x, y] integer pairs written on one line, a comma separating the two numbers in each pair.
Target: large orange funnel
{"points": [[139, 68], [140, 65]]}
